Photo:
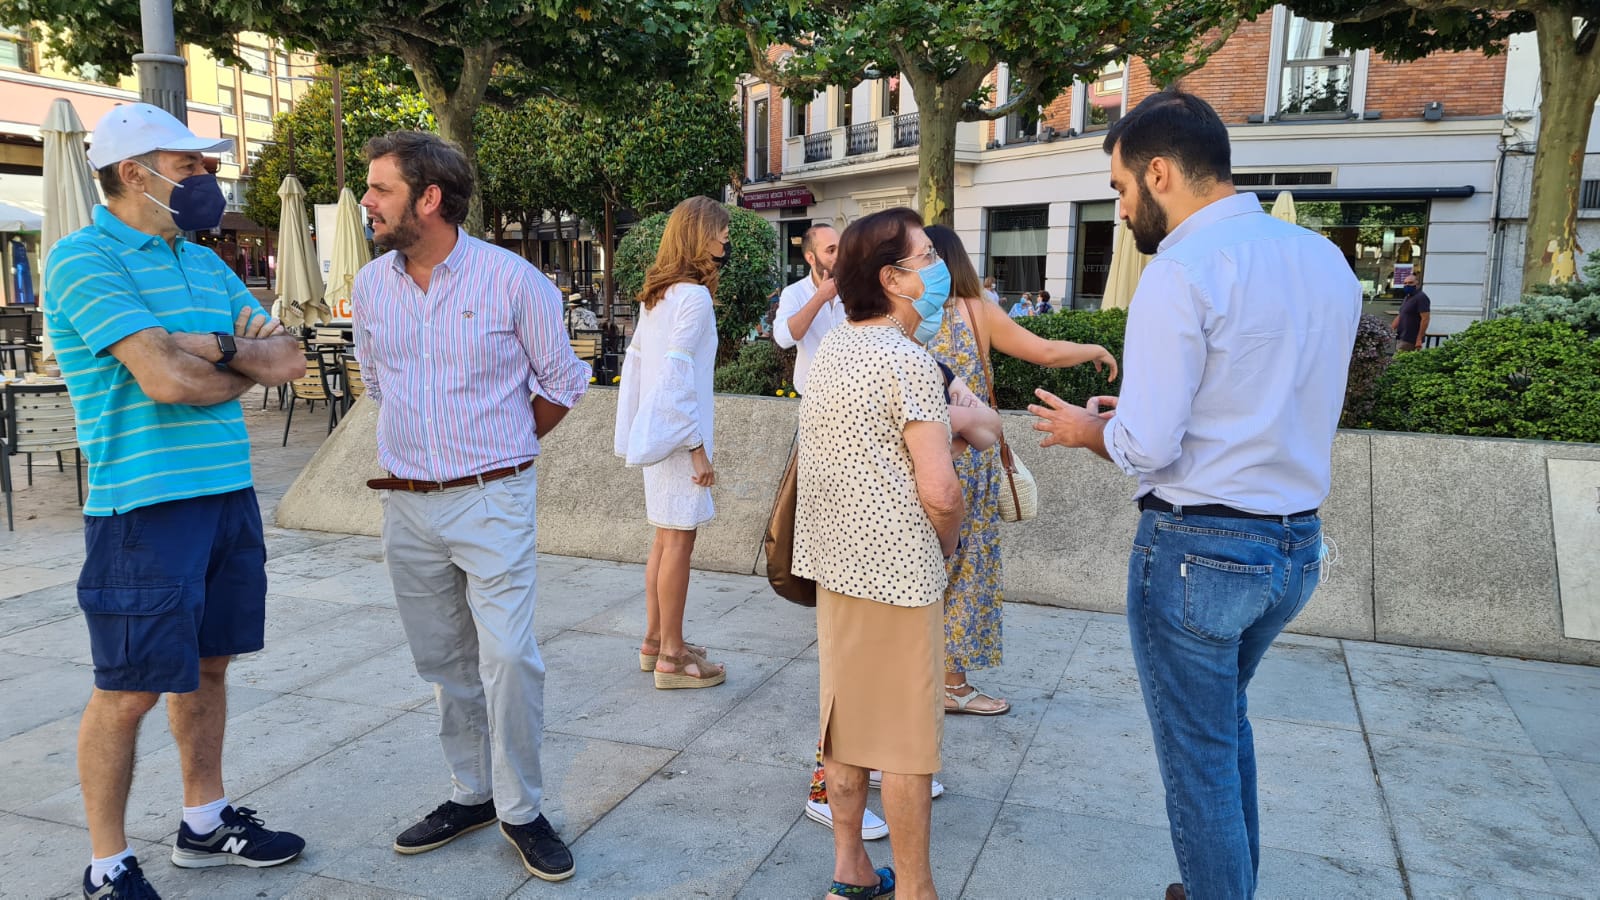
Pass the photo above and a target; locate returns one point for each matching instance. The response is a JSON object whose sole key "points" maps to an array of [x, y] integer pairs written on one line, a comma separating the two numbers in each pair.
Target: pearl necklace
{"points": [[903, 330]]}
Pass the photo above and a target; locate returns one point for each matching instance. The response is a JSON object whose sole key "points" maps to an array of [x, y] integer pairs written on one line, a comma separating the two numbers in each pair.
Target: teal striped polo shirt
{"points": [[103, 283]]}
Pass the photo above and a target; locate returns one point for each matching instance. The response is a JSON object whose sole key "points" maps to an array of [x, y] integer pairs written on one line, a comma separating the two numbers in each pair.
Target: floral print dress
{"points": [[972, 602]]}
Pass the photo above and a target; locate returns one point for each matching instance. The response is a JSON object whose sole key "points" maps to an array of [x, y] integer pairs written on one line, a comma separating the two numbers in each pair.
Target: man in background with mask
{"points": [[1231, 395], [157, 339], [1411, 324]]}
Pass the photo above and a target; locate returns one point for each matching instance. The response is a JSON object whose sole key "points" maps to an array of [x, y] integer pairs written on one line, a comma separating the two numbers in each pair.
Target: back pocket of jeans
{"points": [[1222, 599]]}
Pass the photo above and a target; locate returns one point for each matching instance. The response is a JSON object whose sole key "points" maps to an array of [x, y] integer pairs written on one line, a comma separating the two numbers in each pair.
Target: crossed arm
{"points": [[180, 367]]}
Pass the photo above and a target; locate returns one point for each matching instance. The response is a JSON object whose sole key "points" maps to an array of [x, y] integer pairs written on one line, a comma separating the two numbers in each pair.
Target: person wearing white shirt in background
{"points": [[989, 292], [810, 308], [1231, 395]]}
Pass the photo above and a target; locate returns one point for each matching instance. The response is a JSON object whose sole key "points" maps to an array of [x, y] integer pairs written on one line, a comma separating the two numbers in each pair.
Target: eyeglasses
{"points": [[927, 258]]}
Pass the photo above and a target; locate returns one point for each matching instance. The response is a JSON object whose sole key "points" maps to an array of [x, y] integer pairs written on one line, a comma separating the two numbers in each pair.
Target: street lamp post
{"points": [[161, 81]]}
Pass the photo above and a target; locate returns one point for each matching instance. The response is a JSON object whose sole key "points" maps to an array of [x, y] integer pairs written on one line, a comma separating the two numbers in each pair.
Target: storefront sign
{"points": [[777, 198]]}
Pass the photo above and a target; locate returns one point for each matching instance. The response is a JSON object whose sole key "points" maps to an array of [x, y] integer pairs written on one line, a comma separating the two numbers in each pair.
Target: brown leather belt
{"points": [[425, 487]]}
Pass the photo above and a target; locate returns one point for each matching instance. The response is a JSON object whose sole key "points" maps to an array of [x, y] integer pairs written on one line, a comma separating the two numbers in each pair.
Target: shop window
{"points": [[794, 257], [1317, 78], [1092, 256], [1383, 241], [1018, 237]]}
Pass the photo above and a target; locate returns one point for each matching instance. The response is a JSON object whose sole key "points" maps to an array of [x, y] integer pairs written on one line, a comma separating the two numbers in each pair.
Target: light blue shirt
{"points": [[1238, 348], [107, 281]]}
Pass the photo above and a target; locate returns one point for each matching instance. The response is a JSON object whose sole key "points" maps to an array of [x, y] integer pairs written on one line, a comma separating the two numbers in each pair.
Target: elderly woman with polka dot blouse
{"points": [[879, 508]]}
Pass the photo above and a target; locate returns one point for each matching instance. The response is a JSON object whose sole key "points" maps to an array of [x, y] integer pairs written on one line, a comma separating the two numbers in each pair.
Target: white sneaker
{"points": [[875, 781], [872, 827]]}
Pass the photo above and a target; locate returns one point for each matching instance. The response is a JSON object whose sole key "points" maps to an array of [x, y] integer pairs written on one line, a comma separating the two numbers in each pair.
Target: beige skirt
{"points": [[882, 681]]}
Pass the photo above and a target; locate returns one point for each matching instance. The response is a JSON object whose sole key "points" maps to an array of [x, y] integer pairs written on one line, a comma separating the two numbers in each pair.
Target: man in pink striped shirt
{"points": [[462, 346]]}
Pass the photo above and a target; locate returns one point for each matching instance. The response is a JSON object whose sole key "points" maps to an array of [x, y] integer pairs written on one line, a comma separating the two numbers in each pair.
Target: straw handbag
{"points": [[1019, 493]]}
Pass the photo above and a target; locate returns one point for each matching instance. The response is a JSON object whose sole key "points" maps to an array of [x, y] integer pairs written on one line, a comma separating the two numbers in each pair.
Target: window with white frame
{"points": [[1317, 80], [889, 98], [1104, 98], [799, 115], [760, 125]]}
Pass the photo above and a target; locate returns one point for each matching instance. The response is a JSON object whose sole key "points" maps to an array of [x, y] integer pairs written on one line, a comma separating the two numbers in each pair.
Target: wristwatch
{"points": [[225, 346]]}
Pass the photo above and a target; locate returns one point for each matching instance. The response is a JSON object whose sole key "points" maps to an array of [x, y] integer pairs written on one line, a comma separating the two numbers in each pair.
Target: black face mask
{"points": [[721, 259]]}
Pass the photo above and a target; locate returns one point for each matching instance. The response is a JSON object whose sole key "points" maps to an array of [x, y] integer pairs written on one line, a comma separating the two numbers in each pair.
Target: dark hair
{"points": [[1176, 126], [869, 244], [964, 281], [1045, 295], [111, 180], [808, 243], [426, 159]]}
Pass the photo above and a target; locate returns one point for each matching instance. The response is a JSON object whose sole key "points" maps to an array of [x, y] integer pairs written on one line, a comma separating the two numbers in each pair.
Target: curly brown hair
{"points": [[682, 255]]}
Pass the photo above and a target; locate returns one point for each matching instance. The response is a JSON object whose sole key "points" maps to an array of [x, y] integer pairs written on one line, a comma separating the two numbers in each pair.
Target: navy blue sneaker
{"points": [[128, 885], [241, 840]]}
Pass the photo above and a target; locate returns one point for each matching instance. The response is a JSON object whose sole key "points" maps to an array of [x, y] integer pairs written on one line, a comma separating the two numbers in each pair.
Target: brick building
{"points": [[1407, 167]]}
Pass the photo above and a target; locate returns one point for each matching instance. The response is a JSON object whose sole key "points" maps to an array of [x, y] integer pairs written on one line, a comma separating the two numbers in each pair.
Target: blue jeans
{"points": [[1206, 597]]}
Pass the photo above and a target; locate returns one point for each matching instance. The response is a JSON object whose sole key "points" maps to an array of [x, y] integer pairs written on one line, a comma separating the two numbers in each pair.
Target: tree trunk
{"points": [[455, 106], [606, 284], [455, 125], [936, 162], [1570, 79]]}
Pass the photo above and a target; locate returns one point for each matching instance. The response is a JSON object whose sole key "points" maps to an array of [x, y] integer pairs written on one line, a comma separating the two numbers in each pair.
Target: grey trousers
{"points": [[463, 566]]}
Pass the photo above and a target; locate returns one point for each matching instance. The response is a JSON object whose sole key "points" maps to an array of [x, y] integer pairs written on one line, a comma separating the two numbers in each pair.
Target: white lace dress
{"points": [[664, 407]]}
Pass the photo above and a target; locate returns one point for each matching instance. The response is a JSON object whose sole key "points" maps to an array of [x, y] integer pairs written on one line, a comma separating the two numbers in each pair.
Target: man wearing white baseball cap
{"points": [[157, 339]]}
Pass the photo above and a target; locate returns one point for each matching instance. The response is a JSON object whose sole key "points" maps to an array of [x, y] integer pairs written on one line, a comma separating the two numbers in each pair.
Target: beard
{"points": [[400, 235], [1151, 227]]}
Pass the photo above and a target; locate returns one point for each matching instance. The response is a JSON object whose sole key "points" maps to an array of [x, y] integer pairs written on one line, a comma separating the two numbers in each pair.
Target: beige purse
{"points": [[1019, 493]]}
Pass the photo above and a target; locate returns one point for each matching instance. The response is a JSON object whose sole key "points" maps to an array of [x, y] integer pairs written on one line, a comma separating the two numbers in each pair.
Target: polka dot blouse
{"points": [[859, 528]]}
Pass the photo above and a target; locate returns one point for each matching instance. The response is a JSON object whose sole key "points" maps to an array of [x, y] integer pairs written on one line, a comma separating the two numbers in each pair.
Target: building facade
{"points": [[1407, 167], [224, 101]]}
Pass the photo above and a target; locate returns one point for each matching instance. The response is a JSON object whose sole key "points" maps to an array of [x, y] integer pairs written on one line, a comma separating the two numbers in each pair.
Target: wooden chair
{"points": [[354, 387], [311, 387], [586, 348], [39, 419]]}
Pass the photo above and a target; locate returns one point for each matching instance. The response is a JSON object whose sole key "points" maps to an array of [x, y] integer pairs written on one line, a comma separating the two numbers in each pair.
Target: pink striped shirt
{"points": [[453, 368]]}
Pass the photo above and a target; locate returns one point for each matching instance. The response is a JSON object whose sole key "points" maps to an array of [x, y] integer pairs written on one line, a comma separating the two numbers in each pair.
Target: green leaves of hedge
{"points": [[1014, 380]]}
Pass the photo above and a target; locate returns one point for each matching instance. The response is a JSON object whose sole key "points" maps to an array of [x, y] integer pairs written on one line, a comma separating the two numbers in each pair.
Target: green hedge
{"points": [[1014, 379], [1505, 378], [760, 367]]}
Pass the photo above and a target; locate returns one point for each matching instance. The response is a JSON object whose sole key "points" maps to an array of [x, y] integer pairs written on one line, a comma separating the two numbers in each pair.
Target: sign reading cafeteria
{"points": [[777, 198]]}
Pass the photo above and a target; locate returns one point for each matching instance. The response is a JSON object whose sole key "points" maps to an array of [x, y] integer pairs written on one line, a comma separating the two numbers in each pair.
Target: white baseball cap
{"points": [[134, 129]]}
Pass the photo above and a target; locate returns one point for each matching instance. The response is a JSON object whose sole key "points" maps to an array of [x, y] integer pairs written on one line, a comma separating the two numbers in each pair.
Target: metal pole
{"points": [[161, 69], [338, 131]]}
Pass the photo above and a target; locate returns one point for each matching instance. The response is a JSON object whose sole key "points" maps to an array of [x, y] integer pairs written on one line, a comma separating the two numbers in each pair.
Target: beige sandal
{"points": [[647, 661], [962, 701], [681, 678]]}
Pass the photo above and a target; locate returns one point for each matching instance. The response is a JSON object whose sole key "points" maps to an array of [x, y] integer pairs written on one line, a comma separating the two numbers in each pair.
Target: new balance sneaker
{"points": [[450, 821], [543, 852], [128, 885], [872, 827], [875, 781], [241, 840]]}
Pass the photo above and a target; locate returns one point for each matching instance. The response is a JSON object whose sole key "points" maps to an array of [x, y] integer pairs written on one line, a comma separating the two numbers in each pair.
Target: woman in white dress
{"points": [[664, 425]]}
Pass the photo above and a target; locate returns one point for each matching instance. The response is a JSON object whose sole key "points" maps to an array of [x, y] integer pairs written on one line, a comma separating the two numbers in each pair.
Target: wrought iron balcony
{"points": [[907, 130], [862, 138], [819, 147]]}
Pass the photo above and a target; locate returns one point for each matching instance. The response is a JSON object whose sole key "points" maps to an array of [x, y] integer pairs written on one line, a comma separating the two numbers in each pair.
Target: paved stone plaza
{"points": [[1385, 771]]}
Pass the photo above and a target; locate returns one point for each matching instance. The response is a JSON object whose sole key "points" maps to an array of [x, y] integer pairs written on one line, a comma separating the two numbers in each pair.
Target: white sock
{"points": [[203, 820], [102, 870]]}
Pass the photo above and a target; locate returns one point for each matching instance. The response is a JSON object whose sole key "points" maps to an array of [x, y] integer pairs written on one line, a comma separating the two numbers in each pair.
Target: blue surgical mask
{"points": [[930, 306], [197, 201]]}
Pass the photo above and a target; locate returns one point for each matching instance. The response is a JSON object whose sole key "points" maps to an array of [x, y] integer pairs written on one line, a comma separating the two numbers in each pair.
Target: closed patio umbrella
{"points": [[1126, 265], [1283, 208], [350, 252], [299, 283], [70, 191]]}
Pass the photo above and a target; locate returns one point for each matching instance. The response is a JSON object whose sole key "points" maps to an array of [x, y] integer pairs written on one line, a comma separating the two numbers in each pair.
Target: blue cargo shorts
{"points": [[166, 585]]}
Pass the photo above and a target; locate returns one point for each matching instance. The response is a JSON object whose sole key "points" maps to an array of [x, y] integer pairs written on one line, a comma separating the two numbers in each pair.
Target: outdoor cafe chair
{"points": [[39, 419], [311, 387], [354, 387]]}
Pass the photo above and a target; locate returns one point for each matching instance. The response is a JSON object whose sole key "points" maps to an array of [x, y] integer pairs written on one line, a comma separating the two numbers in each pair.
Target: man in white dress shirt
{"points": [[810, 308], [1232, 388]]}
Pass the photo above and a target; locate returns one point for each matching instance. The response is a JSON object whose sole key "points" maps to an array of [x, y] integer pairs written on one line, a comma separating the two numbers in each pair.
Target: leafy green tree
{"points": [[1569, 80], [373, 105], [520, 171], [575, 48], [749, 278], [675, 143], [945, 49]]}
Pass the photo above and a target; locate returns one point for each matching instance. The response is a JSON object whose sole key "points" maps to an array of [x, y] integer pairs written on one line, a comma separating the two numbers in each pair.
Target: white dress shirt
{"points": [[830, 315], [1238, 347]]}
